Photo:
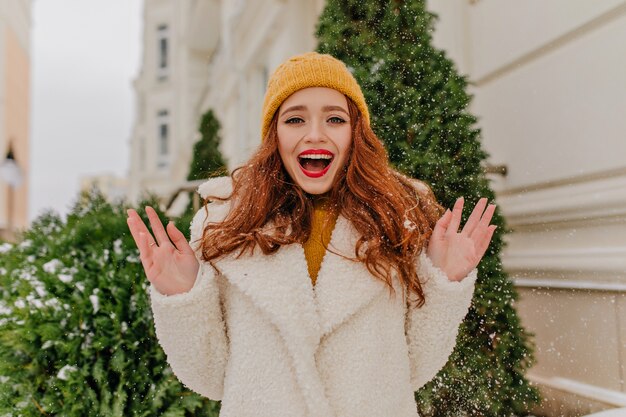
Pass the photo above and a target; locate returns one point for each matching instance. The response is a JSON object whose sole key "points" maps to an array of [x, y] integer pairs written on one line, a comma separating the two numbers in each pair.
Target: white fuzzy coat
{"points": [[262, 339]]}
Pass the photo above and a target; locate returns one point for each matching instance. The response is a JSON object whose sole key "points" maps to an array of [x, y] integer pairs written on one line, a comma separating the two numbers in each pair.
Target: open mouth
{"points": [[315, 162]]}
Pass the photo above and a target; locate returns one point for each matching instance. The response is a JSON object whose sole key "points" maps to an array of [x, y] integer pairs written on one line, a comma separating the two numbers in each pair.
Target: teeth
{"points": [[316, 156]]}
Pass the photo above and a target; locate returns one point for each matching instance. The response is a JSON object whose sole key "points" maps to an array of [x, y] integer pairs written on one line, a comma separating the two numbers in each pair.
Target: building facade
{"points": [[170, 84], [15, 32], [549, 91]]}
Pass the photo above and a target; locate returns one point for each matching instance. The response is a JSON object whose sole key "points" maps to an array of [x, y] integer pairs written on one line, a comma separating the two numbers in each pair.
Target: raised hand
{"points": [[172, 269], [457, 254]]}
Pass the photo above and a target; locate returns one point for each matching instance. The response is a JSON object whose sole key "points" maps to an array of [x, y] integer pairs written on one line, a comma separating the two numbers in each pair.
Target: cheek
{"points": [[284, 149], [283, 156], [344, 144]]}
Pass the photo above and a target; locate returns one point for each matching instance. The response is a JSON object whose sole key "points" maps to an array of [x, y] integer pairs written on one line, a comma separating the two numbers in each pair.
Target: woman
{"points": [[321, 282]]}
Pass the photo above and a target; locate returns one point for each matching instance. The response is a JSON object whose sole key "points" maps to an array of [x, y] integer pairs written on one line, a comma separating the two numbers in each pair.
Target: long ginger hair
{"points": [[394, 215]]}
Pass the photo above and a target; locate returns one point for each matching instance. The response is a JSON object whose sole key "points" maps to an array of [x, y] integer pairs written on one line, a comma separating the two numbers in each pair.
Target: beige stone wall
{"points": [[580, 353], [15, 106], [17, 118]]}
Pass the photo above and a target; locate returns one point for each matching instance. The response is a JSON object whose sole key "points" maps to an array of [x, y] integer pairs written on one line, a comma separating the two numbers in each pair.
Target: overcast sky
{"points": [[84, 54]]}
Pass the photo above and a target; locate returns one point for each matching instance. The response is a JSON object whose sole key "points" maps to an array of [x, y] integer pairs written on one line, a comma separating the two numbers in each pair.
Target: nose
{"points": [[315, 133]]}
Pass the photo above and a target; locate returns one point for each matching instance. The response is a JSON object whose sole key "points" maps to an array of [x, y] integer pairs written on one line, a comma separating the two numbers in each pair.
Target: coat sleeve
{"points": [[191, 330], [431, 330]]}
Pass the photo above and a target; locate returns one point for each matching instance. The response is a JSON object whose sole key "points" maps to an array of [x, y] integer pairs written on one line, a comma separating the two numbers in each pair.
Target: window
{"points": [[162, 52], [163, 135]]}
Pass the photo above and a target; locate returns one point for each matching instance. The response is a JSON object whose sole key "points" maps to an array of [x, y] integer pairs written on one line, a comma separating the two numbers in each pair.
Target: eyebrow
{"points": [[324, 109]]}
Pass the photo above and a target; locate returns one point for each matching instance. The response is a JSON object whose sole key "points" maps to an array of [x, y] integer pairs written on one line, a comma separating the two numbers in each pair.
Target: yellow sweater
{"points": [[314, 249]]}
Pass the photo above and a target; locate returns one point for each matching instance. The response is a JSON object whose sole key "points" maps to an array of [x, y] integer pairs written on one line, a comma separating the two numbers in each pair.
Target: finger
{"points": [[136, 226], [485, 240], [487, 216], [457, 211], [442, 225], [157, 227], [179, 239], [142, 240], [145, 252], [474, 218]]}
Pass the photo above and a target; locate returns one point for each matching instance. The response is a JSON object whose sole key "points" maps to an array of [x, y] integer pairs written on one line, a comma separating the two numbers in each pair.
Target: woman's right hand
{"points": [[172, 269]]}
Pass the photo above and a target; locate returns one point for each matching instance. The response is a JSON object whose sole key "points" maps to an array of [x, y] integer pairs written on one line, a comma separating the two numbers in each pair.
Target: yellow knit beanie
{"points": [[309, 70]]}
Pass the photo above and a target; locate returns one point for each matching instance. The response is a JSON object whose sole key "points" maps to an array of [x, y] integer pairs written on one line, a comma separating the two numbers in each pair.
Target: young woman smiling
{"points": [[320, 282]]}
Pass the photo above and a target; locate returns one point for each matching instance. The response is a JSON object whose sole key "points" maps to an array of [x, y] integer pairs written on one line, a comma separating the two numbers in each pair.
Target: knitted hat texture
{"points": [[309, 70]]}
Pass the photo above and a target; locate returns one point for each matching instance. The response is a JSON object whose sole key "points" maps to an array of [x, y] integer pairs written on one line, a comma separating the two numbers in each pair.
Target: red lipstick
{"points": [[316, 174]]}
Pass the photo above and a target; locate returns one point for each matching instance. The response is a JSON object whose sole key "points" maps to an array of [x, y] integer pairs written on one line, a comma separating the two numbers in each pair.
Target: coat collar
{"points": [[280, 286]]}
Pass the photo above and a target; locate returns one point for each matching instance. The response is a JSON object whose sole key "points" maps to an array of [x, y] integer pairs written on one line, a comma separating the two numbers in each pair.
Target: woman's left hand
{"points": [[457, 254]]}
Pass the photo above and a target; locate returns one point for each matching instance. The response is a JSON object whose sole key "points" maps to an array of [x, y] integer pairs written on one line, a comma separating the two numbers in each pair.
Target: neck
{"points": [[321, 201]]}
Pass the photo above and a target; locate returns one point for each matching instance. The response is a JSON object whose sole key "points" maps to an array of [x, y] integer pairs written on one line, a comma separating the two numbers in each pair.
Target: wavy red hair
{"points": [[393, 214]]}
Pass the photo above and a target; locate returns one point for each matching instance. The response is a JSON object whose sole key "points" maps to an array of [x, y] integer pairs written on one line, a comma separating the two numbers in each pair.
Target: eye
{"points": [[294, 120], [336, 119]]}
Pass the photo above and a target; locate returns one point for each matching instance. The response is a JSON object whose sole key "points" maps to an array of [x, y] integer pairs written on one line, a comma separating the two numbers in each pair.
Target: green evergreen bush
{"points": [[76, 330], [207, 159], [418, 103]]}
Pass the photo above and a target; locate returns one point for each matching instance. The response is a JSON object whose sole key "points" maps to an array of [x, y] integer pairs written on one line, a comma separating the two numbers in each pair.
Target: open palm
{"points": [[457, 254], [171, 268]]}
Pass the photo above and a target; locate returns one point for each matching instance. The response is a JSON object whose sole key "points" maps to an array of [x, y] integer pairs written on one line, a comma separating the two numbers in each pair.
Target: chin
{"points": [[316, 190], [314, 187]]}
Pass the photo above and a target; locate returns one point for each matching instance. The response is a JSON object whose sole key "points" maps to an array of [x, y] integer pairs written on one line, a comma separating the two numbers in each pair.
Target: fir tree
{"points": [[207, 159], [419, 105], [76, 331]]}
